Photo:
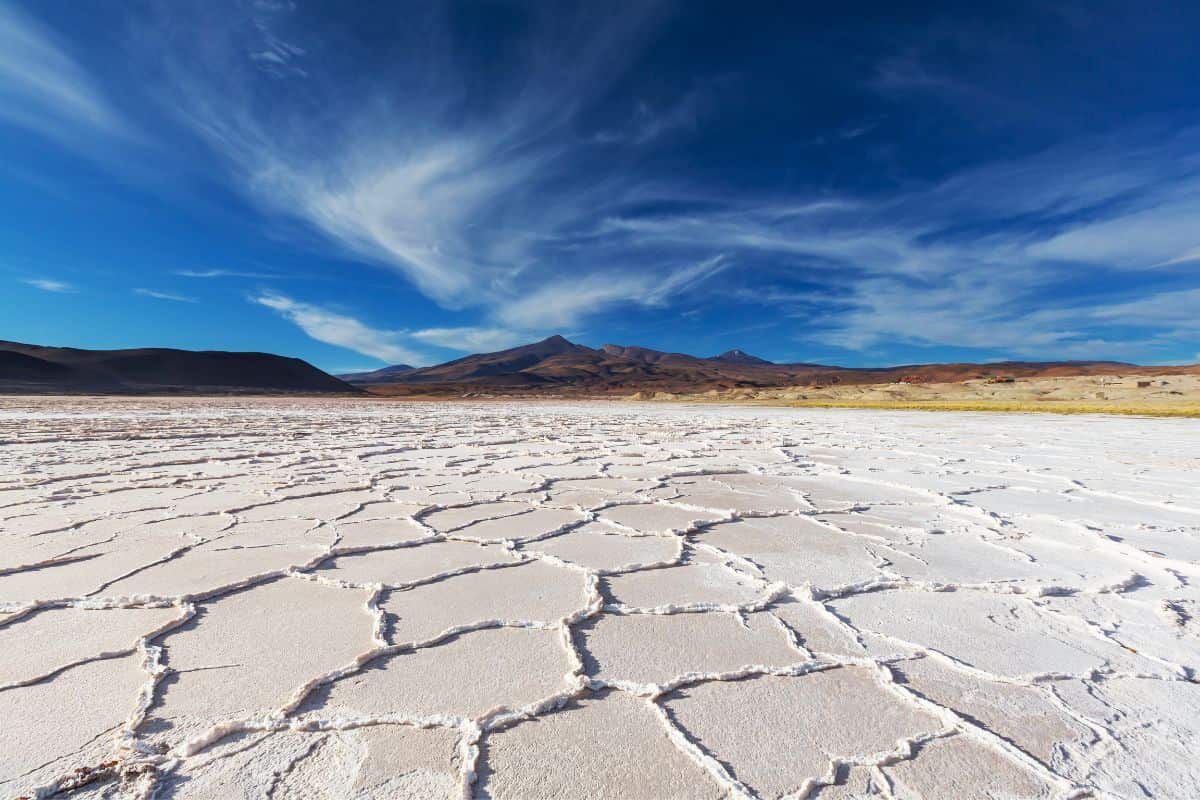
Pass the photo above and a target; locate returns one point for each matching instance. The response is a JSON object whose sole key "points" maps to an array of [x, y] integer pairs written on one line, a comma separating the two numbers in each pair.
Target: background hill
{"points": [[32, 368], [383, 375]]}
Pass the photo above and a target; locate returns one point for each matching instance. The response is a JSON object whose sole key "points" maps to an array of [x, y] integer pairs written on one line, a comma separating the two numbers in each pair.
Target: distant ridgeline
{"points": [[556, 365], [26, 368], [551, 366]]}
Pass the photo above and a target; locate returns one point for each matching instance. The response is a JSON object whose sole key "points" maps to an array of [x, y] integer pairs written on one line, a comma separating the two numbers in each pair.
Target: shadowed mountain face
{"points": [[518, 365], [558, 366], [31, 368], [382, 375]]}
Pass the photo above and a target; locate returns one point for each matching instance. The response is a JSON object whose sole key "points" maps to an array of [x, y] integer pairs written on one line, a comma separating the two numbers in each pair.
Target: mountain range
{"points": [[553, 366], [558, 366]]}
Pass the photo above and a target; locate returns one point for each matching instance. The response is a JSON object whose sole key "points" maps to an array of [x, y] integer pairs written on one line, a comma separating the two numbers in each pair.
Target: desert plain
{"points": [[246, 598], [1136, 394]]}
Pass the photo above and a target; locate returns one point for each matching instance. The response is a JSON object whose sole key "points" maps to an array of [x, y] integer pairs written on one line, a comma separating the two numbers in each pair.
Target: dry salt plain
{"points": [[282, 598]]}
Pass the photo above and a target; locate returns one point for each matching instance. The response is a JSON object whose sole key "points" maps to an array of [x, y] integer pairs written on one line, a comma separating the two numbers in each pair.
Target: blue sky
{"points": [[367, 183]]}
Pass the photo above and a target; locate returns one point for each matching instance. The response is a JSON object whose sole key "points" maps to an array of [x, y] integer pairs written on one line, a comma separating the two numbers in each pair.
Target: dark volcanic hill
{"points": [[381, 375], [30, 368], [558, 366], [517, 366]]}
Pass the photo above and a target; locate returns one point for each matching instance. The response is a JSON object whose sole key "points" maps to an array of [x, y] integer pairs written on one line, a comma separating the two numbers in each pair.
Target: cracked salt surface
{"points": [[246, 598]]}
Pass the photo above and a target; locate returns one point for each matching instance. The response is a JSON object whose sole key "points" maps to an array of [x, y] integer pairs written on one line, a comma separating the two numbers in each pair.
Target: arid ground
{"points": [[1138, 394], [246, 598]]}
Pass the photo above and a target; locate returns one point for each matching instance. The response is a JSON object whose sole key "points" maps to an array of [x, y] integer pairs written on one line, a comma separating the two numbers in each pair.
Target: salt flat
{"points": [[228, 598]]}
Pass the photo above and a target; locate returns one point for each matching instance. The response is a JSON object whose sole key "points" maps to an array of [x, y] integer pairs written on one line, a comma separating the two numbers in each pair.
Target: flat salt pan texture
{"points": [[245, 598]]}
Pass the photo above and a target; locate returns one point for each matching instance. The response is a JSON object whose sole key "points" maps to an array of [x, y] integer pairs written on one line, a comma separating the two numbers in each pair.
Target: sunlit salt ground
{"points": [[236, 598]]}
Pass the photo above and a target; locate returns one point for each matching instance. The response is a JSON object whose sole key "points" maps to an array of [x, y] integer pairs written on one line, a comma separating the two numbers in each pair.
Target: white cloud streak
{"points": [[341, 330], [649, 124], [393, 346], [43, 89], [177, 298], [472, 340], [221, 273], [558, 305], [50, 285]]}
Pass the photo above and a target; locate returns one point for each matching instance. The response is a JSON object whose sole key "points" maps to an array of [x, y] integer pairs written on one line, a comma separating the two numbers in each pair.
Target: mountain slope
{"points": [[32, 368], [505, 365], [558, 366], [381, 375]]}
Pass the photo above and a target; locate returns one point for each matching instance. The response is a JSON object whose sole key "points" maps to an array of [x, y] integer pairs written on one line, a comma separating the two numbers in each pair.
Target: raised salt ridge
{"points": [[328, 598]]}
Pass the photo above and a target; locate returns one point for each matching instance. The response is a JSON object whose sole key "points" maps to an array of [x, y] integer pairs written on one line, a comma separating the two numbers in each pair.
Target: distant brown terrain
{"points": [[558, 367], [32, 369], [1174, 395]]}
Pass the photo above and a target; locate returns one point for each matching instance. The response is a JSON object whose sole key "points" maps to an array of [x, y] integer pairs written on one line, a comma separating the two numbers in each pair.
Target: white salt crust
{"points": [[678, 602]]}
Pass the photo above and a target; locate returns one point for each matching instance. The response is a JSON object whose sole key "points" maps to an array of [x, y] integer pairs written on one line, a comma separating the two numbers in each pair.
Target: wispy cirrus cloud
{"points": [[498, 191], [473, 208], [471, 339], [1162, 232], [341, 329], [1112, 328], [157, 295], [45, 90], [560, 304], [50, 285], [221, 273], [1176, 309], [646, 123], [394, 346], [979, 260]]}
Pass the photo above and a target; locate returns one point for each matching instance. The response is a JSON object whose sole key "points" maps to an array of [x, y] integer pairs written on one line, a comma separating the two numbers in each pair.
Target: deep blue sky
{"points": [[360, 183]]}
